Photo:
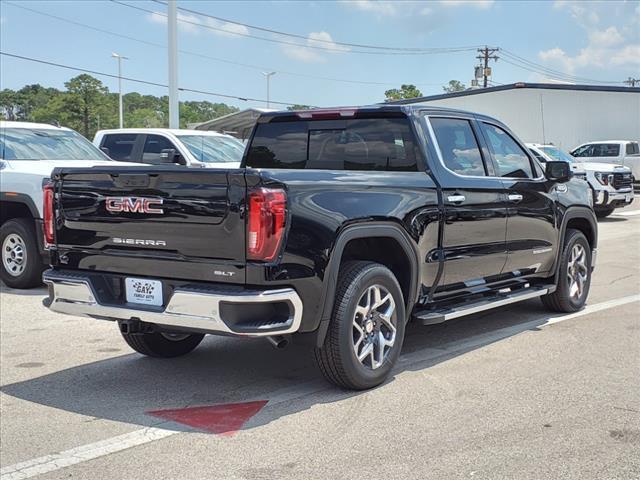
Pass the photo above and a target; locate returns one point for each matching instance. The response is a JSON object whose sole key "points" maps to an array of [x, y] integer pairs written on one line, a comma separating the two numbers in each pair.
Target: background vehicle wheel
{"points": [[21, 261], [574, 275], [161, 344], [367, 327], [604, 212]]}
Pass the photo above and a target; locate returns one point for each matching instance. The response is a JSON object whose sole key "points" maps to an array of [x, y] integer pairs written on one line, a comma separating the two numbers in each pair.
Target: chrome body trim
{"points": [[190, 309]]}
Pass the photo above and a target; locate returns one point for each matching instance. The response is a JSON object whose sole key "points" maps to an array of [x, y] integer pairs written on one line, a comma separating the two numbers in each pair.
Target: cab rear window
{"points": [[379, 144]]}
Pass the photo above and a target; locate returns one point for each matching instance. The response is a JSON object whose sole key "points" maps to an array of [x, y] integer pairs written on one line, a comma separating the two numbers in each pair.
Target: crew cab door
{"points": [[474, 247], [532, 236]]}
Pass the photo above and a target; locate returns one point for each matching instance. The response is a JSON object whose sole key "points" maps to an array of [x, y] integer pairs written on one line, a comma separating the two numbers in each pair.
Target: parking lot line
{"points": [[57, 461]]}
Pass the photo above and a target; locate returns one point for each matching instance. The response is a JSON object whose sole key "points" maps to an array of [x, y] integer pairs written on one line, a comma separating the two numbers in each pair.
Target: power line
{"points": [[301, 45], [136, 80], [632, 82], [208, 57], [331, 42], [538, 68], [487, 54]]}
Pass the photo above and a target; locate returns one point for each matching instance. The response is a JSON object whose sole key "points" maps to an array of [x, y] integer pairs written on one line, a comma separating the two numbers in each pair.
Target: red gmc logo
{"points": [[134, 205]]}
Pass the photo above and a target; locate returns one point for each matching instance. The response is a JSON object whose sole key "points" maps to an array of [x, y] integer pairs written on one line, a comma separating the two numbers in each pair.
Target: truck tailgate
{"points": [[153, 221]]}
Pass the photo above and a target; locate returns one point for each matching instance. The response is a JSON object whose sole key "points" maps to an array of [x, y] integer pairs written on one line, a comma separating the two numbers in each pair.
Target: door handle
{"points": [[456, 198], [514, 197]]}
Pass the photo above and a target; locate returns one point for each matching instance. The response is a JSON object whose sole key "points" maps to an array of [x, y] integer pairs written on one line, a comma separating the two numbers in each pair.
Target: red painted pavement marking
{"points": [[224, 419]]}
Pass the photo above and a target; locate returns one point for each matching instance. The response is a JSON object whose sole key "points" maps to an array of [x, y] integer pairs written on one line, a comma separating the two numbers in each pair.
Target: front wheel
{"points": [[604, 212], [574, 275], [161, 344], [367, 327]]}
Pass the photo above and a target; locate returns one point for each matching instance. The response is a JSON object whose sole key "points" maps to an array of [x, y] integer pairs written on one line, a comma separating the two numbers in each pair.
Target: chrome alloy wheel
{"points": [[374, 330], [577, 272], [14, 254]]}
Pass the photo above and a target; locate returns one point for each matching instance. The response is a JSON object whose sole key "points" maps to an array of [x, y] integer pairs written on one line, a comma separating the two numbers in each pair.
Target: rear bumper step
{"points": [[431, 317], [240, 313]]}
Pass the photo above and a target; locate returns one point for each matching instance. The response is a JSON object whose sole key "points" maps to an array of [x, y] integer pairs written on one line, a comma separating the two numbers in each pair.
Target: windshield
{"points": [[557, 154], [213, 149], [46, 144]]}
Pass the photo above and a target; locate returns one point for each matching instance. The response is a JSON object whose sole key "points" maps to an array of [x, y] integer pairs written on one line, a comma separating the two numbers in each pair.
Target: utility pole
{"points": [[632, 81], [486, 54], [268, 76], [120, 111], [174, 113]]}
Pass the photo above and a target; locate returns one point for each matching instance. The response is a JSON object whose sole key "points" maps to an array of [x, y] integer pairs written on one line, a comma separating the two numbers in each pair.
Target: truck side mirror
{"points": [[169, 155], [106, 151], [558, 171]]}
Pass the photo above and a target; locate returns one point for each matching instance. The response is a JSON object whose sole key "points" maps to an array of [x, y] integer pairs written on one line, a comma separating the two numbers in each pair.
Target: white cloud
{"points": [[606, 38], [309, 55], [193, 24], [481, 4], [583, 12], [629, 55], [375, 6]]}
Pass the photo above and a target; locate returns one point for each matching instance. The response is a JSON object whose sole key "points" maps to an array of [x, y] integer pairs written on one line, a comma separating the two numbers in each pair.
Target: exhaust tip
{"points": [[278, 341]]}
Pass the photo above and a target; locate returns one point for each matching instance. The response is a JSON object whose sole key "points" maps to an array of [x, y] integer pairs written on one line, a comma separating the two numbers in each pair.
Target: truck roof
{"points": [[174, 131], [41, 126], [347, 111]]}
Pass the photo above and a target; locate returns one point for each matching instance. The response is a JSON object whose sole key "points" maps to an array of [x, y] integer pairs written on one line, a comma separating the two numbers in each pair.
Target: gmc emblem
{"points": [[134, 205]]}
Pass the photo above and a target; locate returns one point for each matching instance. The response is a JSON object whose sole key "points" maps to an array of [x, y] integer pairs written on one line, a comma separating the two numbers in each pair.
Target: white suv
{"points": [[28, 154], [612, 185], [191, 148]]}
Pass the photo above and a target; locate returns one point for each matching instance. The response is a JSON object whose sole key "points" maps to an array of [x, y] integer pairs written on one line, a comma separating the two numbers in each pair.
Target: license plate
{"points": [[144, 291]]}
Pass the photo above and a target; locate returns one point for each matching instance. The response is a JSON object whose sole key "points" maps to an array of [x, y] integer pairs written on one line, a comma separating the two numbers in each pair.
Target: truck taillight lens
{"points": [[47, 213], [267, 216]]}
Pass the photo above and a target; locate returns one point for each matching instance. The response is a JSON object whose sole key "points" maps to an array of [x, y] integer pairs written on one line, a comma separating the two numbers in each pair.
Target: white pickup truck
{"points": [[620, 152], [611, 184], [28, 154], [157, 146]]}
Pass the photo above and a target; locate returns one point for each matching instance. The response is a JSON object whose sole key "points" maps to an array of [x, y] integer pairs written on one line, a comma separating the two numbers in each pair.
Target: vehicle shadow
{"points": [[228, 370], [31, 292], [612, 219]]}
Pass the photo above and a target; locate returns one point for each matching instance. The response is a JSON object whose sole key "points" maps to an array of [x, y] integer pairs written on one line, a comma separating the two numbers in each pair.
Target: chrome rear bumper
{"points": [[193, 309]]}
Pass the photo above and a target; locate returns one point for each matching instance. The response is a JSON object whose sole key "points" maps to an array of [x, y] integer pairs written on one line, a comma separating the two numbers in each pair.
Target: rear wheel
{"points": [[367, 327], [21, 262], [161, 344], [574, 275], [604, 212]]}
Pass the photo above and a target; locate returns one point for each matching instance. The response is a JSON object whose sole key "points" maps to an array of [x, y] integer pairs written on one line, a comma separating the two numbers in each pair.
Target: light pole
{"points": [[174, 104], [120, 58], [268, 77]]}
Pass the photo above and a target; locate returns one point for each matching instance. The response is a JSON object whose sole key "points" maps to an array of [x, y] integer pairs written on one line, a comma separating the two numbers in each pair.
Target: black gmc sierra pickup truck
{"points": [[341, 226]]}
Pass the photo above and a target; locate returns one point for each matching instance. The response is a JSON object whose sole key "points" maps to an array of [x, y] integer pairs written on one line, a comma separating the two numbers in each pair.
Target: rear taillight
{"points": [[47, 213], [267, 215]]}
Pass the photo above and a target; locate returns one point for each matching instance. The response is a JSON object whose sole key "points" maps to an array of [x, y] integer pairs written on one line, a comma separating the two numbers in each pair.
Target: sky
{"points": [[580, 42]]}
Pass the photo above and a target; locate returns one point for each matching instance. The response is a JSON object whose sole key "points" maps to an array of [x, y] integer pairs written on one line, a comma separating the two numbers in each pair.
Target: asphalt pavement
{"points": [[512, 393]]}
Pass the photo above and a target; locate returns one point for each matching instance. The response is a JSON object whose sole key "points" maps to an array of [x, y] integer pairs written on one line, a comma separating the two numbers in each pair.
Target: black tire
{"points": [[161, 345], [336, 358], [30, 262], [561, 300], [604, 212]]}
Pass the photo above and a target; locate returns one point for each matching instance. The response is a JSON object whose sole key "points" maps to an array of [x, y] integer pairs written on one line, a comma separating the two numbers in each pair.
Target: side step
{"points": [[430, 317]]}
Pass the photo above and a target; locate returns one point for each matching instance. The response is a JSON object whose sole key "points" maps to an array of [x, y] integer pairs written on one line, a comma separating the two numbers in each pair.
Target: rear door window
{"points": [[607, 150], [120, 145], [458, 146], [381, 144]]}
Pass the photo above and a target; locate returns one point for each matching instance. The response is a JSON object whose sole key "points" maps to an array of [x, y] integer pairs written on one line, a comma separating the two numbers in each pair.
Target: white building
{"points": [[565, 115]]}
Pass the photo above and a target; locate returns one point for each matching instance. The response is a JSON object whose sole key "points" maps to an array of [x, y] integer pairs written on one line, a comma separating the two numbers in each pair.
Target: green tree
{"points": [[84, 100], [454, 86], [404, 92]]}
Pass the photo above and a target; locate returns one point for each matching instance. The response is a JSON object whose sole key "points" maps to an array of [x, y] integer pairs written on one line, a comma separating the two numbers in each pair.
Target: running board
{"points": [[442, 315]]}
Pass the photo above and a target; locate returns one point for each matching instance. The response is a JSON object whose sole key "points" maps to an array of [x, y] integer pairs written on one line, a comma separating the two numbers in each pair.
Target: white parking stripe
{"points": [[56, 461]]}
